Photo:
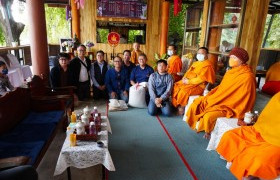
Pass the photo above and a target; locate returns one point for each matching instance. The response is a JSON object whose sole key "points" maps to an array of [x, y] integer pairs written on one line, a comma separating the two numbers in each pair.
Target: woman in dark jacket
{"points": [[60, 75]]}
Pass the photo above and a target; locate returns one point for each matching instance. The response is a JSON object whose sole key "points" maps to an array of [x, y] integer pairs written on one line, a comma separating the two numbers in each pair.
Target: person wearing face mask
{"points": [[194, 81], [5, 85], [174, 63], [254, 151], [232, 98]]}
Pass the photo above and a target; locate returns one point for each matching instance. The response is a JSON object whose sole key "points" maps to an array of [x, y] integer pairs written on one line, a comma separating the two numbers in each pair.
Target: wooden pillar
{"points": [[75, 19], [253, 29], [164, 27], [204, 23], [38, 37], [214, 38]]}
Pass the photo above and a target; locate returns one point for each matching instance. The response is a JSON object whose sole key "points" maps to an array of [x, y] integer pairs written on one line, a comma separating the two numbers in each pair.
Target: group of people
{"points": [[253, 150]]}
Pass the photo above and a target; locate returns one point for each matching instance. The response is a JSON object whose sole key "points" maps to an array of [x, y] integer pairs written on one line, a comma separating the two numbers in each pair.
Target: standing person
{"points": [[135, 53], [194, 81], [117, 81], [79, 69], [234, 97], [60, 75], [174, 63], [160, 88], [98, 73], [5, 85], [127, 64]]}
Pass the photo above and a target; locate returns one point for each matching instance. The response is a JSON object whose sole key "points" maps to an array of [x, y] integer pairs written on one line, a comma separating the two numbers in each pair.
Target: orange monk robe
{"points": [[255, 150], [174, 67], [273, 73], [134, 56], [232, 98], [198, 75]]}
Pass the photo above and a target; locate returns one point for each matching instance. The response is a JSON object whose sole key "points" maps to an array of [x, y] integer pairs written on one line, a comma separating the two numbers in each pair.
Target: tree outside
{"points": [[176, 27], [273, 39], [57, 25]]}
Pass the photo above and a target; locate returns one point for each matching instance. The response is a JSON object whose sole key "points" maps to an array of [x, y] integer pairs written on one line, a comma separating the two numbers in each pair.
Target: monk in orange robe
{"points": [[254, 151], [174, 63], [232, 98], [272, 80], [194, 81], [135, 53], [273, 73]]}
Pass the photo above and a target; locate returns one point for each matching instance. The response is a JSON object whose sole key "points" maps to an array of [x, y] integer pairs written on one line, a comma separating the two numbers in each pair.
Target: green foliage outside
{"points": [[2, 38], [57, 25], [102, 35], [132, 34], [273, 39], [176, 24], [229, 34]]}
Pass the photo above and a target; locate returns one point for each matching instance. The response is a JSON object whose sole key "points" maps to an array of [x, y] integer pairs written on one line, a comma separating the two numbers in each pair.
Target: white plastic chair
{"points": [[14, 75], [25, 69]]}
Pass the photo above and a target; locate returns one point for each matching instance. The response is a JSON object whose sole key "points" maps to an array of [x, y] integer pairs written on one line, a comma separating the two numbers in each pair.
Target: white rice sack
{"points": [[137, 96]]}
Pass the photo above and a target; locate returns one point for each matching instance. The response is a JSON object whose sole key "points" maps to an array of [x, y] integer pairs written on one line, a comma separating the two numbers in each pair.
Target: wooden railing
{"points": [[21, 52]]}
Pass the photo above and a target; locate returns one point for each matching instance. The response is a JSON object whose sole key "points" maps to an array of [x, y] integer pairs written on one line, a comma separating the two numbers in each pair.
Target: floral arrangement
{"points": [[89, 44], [189, 56], [68, 44]]}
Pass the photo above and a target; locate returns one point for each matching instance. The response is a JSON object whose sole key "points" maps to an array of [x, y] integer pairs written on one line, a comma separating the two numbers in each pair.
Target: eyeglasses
{"points": [[63, 59], [117, 61]]}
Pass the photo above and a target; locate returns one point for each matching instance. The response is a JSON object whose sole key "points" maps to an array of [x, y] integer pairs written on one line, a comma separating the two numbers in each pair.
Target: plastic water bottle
{"points": [[256, 116], [92, 128], [95, 111]]}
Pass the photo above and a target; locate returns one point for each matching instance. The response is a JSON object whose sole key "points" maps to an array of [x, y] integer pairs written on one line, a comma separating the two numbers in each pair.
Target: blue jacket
{"points": [[139, 75], [117, 81]]}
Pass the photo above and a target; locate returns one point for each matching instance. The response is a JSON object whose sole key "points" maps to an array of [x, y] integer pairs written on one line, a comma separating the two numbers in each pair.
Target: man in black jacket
{"points": [[79, 68], [98, 72]]}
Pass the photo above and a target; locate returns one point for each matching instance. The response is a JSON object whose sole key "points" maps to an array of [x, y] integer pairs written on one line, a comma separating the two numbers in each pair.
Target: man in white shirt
{"points": [[79, 69]]}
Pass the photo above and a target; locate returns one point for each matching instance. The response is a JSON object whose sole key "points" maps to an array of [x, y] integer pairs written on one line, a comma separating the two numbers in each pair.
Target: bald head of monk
{"points": [[237, 57]]}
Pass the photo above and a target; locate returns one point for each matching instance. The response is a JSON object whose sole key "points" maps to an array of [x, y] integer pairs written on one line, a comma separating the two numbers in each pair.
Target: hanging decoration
{"points": [[80, 3], [177, 7], [68, 12]]}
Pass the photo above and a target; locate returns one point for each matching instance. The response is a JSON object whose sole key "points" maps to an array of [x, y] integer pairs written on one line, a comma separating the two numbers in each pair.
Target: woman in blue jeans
{"points": [[160, 89]]}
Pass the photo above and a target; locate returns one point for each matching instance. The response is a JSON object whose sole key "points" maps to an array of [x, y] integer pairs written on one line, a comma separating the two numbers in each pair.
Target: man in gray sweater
{"points": [[160, 89]]}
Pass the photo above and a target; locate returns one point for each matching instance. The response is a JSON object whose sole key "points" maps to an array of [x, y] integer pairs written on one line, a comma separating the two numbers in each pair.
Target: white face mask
{"points": [[200, 57], [169, 52]]}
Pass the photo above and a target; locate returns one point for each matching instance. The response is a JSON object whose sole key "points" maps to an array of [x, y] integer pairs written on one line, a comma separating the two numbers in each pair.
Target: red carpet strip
{"points": [[177, 149]]}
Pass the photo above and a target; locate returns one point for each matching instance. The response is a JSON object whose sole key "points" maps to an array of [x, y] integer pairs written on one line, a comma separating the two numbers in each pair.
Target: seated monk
{"points": [[254, 151], [174, 63], [272, 80], [194, 80], [232, 98]]}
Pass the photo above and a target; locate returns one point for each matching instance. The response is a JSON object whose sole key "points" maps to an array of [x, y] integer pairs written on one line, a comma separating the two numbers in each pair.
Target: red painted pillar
{"points": [[75, 20], [164, 27], [38, 37]]}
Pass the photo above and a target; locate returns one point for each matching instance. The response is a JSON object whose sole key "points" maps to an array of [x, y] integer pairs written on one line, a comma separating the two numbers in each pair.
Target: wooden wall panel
{"points": [[88, 17], [253, 29]]}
